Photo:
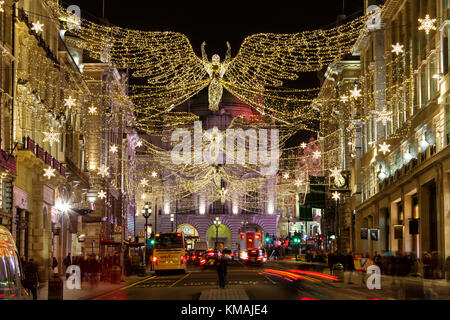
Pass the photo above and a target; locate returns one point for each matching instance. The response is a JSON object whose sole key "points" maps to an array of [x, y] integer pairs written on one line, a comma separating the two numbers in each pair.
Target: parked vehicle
{"points": [[191, 257], [11, 274]]}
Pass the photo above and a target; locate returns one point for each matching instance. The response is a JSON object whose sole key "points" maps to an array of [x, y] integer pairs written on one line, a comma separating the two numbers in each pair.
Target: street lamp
{"points": [[171, 220], [146, 213], [217, 225]]}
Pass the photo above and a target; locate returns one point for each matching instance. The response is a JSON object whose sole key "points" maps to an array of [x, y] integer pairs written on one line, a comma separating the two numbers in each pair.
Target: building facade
{"points": [[403, 194]]}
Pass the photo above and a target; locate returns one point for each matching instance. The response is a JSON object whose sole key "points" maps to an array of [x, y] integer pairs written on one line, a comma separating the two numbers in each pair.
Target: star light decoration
{"points": [[344, 98], [139, 143], [298, 182], [103, 171], [154, 174], [286, 175], [114, 148], [37, 27], [92, 110], [51, 137], [69, 102], [355, 93], [102, 194], [335, 173], [316, 154], [427, 24], [397, 48], [144, 182], [336, 196], [384, 147], [49, 172]]}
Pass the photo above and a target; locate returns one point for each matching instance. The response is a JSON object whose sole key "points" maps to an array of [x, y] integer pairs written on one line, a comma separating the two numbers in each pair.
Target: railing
{"points": [[38, 151]]}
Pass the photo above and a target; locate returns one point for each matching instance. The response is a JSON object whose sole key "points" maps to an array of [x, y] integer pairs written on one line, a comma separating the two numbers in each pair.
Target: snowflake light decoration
{"points": [[335, 172], [355, 93], [286, 175], [139, 143], [397, 48], [102, 194], [427, 24], [316, 154], [37, 26], [103, 171], [154, 174], [51, 137], [336, 196], [303, 145], [69, 102], [298, 183], [144, 182], [114, 148], [92, 110], [384, 147], [49, 172]]}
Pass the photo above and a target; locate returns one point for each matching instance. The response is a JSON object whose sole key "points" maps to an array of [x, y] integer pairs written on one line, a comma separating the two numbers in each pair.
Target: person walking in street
{"points": [[32, 277], [350, 266], [222, 271]]}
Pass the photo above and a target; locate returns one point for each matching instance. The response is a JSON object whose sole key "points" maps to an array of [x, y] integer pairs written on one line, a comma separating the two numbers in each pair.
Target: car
{"points": [[256, 255], [198, 256], [190, 256], [209, 259], [11, 272], [227, 254]]}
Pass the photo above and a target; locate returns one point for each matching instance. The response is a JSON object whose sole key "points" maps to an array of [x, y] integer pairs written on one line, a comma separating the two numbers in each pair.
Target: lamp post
{"points": [[146, 213], [171, 220], [217, 225], [336, 196]]}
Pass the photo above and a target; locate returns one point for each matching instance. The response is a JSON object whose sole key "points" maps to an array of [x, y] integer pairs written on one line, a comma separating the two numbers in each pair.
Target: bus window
{"points": [[166, 241]]}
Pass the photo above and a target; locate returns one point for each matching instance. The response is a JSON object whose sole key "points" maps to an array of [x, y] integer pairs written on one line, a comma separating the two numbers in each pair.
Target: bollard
{"points": [[115, 274], [338, 271], [414, 287], [55, 288]]}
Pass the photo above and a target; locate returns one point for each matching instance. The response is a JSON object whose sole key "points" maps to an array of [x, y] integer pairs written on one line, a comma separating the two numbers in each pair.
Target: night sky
{"points": [[219, 21]]}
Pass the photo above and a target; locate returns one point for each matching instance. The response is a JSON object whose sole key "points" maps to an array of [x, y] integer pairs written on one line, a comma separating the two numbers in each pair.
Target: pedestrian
{"points": [[222, 271], [54, 265], [350, 266], [32, 277]]}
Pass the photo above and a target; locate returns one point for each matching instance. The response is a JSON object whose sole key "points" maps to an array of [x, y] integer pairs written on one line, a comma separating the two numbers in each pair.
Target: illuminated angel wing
{"points": [[165, 58], [267, 59]]}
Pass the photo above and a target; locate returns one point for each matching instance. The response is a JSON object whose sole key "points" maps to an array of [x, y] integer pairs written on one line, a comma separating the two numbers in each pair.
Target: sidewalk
{"points": [[229, 293], [87, 292]]}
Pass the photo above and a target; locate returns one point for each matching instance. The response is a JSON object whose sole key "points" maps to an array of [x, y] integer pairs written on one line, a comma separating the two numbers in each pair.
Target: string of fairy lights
{"points": [[175, 74]]}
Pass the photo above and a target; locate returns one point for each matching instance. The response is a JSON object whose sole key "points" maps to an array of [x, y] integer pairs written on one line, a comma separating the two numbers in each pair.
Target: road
{"points": [[272, 281]]}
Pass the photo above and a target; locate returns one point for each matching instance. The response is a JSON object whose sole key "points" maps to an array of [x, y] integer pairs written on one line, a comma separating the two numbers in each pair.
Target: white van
{"points": [[11, 275]]}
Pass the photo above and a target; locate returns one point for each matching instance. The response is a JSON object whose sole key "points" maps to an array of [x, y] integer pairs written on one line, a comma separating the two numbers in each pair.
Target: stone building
{"points": [[404, 194]]}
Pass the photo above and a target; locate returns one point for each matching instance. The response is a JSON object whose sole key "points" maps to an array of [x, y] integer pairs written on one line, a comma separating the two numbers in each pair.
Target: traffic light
{"points": [[267, 239], [296, 238]]}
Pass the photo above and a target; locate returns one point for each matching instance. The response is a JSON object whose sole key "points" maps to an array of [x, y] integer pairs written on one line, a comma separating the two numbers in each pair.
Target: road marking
{"points": [[188, 274], [273, 282], [136, 283]]}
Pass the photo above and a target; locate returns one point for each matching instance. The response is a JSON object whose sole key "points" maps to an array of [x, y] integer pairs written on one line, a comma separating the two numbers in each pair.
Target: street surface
{"points": [[271, 281]]}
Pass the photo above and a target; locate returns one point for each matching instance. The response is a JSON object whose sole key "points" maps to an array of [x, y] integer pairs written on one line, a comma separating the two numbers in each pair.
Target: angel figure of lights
{"points": [[215, 70]]}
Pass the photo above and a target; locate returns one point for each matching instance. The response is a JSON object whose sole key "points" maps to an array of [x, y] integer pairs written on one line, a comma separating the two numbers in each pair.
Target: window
{"points": [[433, 80], [423, 88]]}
